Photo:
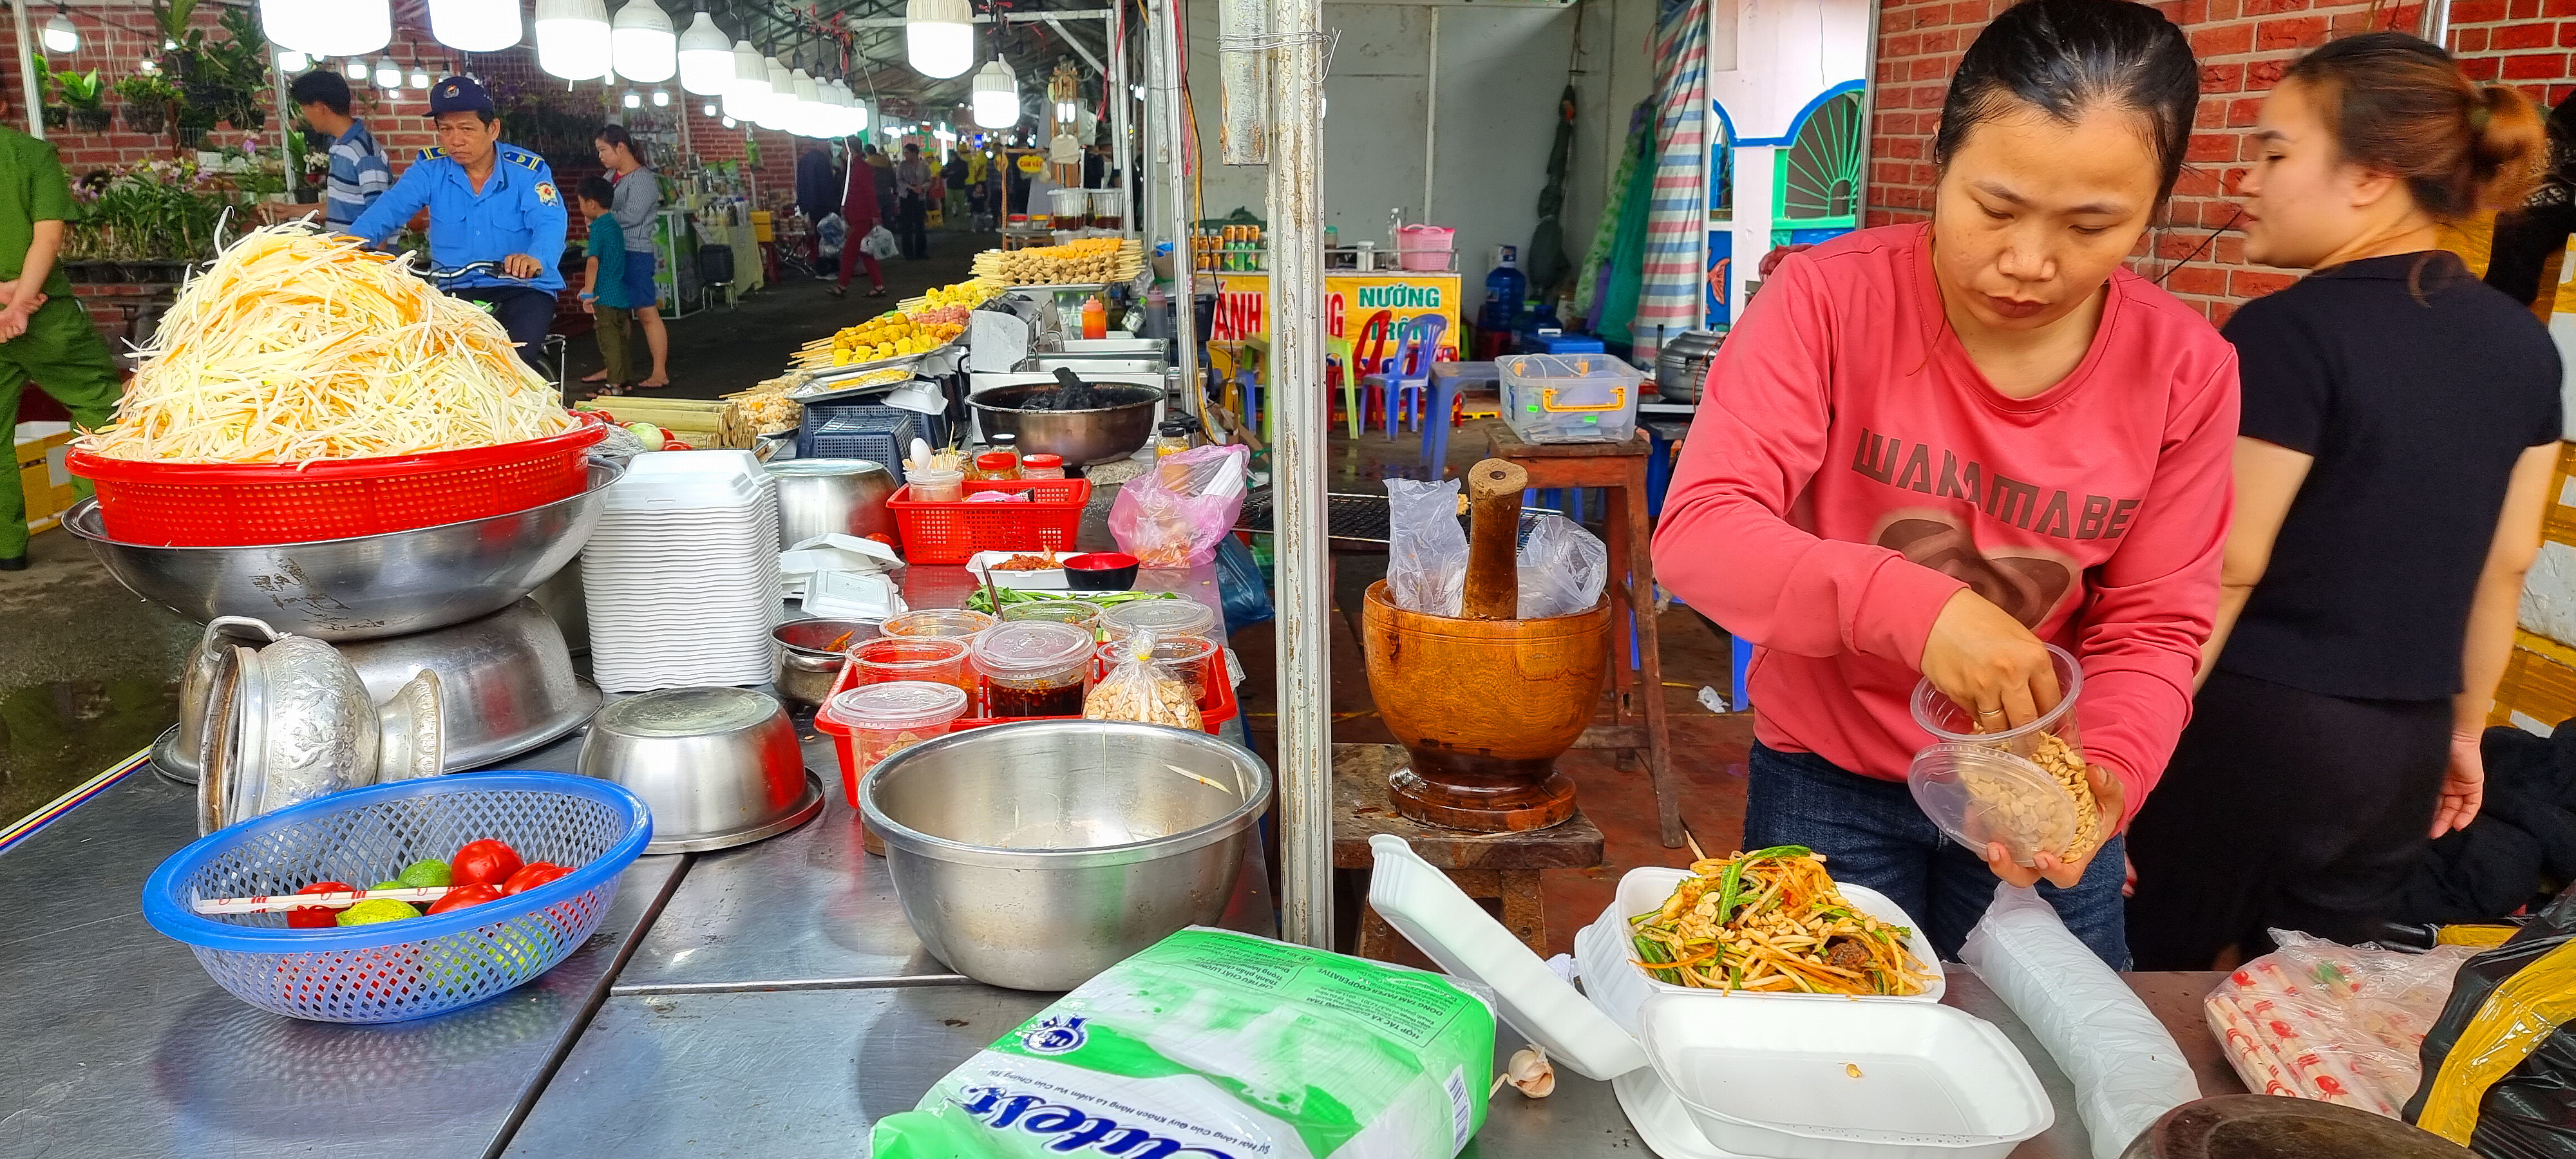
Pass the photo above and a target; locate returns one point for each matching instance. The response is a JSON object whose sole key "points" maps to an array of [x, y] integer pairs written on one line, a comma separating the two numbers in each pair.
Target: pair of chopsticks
{"points": [[280, 903]]}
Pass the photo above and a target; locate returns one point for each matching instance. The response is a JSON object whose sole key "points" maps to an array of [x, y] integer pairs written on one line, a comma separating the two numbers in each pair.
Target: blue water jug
{"points": [[1506, 288]]}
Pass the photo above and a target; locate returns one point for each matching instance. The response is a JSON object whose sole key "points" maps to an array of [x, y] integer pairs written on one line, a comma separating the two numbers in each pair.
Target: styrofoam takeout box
{"points": [[1951, 1087]]}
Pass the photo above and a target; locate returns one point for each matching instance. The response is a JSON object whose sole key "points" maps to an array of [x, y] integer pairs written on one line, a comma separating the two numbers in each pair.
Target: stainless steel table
{"points": [[120, 1045]]}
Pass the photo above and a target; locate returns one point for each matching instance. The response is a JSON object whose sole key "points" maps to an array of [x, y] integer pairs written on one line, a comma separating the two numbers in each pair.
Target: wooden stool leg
{"points": [[1622, 680], [1524, 908], [1629, 509]]}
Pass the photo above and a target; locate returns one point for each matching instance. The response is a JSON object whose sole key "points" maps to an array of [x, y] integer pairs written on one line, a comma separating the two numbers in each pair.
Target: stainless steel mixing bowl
{"points": [[1083, 437], [1038, 854], [719, 767], [824, 496], [363, 588], [807, 665]]}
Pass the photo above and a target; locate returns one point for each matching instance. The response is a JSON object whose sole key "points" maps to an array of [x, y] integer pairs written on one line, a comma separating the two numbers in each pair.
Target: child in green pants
{"points": [[604, 294]]}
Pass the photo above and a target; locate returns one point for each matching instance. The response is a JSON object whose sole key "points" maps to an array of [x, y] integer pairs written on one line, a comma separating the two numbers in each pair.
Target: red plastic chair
{"points": [[1369, 356]]}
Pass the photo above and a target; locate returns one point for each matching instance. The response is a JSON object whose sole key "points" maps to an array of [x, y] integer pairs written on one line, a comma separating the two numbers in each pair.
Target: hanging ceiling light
{"points": [[706, 57], [573, 38], [775, 109], [388, 74], [420, 80], [642, 43], [291, 24], [354, 69], [630, 100], [59, 35], [939, 36], [661, 98], [997, 96], [810, 119], [728, 122], [750, 82], [857, 122], [291, 61], [709, 110], [475, 25], [342, 27]]}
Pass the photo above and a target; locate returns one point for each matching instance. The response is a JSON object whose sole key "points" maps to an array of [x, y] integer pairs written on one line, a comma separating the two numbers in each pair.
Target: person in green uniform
{"points": [[45, 336]]}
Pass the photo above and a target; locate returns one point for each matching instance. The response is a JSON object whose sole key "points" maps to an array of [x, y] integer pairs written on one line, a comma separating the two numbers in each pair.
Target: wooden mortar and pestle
{"points": [[1483, 702]]}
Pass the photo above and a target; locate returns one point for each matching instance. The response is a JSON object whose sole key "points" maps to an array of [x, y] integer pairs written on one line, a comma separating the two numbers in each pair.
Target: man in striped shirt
{"points": [[359, 171]]}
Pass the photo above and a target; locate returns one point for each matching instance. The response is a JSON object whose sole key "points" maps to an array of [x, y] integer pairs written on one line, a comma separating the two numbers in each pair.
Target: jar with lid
{"points": [[1034, 668], [1172, 440], [1178, 619], [880, 720], [1042, 466], [996, 466]]}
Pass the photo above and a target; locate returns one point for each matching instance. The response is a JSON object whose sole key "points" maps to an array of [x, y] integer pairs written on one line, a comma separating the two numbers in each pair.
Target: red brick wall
{"points": [[2243, 46]]}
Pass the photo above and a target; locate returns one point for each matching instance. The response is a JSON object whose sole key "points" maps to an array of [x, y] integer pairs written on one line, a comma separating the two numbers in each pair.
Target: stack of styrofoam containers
{"points": [[681, 577]]}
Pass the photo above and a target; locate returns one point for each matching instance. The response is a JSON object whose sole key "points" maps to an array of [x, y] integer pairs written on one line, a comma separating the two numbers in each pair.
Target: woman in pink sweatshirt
{"points": [[1926, 449]]}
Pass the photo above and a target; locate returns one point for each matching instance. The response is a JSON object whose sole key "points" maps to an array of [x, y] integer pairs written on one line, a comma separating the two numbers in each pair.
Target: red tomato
{"points": [[465, 895], [318, 917], [536, 874], [485, 862]]}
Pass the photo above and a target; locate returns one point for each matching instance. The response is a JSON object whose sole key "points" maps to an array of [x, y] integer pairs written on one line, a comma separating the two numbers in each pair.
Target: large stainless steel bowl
{"points": [[1082, 436], [843, 496], [719, 767], [363, 588], [1038, 854]]}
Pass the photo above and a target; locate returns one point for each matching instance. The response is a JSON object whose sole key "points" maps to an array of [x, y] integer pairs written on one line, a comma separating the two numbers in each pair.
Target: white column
{"points": [[1754, 166]]}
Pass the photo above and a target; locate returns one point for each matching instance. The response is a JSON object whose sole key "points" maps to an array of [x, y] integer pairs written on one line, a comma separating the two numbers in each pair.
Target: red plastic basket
{"points": [[1216, 707], [232, 504], [951, 533]]}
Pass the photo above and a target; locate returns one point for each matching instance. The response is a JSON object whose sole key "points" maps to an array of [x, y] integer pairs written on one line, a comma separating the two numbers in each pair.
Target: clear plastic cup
{"points": [[938, 659], [1034, 668], [1949, 723], [1082, 614], [930, 486], [1980, 793], [1169, 619], [937, 622], [1197, 662], [885, 719]]}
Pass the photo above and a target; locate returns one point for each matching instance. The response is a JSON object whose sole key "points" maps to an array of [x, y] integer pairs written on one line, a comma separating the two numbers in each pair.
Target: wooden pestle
{"points": [[1493, 540]]}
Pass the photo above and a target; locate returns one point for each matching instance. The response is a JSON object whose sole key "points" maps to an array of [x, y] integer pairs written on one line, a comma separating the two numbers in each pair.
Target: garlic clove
{"points": [[1531, 1073]]}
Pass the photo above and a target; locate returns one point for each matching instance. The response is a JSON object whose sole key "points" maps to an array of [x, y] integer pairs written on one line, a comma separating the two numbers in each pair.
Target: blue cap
{"points": [[458, 94]]}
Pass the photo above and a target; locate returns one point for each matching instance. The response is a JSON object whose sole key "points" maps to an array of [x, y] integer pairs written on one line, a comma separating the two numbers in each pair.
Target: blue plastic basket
{"points": [[393, 971], [871, 431]]}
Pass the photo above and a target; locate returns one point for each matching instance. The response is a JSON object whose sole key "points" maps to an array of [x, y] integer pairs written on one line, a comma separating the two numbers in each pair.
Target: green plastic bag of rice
{"points": [[1221, 1045]]}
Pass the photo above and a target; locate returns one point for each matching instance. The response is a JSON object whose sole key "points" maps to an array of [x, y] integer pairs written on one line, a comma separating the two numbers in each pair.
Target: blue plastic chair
{"points": [[1409, 373], [1448, 381]]}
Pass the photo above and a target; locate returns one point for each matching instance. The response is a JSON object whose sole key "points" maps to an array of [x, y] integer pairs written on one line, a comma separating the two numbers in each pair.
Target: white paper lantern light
{"points": [[939, 37], [706, 58], [641, 43], [342, 27], [573, 38], [997, 96], [475, 25]]}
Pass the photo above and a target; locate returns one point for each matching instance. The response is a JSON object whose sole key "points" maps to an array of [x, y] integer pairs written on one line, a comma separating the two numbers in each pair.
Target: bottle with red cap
{"points": [[1042, 466]]}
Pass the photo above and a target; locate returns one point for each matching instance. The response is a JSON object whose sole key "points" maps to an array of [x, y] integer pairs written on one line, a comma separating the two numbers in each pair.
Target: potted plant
{"points": [[85, 97], [148, 97]]}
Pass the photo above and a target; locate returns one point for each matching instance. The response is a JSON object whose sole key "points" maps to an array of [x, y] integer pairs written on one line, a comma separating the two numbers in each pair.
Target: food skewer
{"points": [[280, 903]]}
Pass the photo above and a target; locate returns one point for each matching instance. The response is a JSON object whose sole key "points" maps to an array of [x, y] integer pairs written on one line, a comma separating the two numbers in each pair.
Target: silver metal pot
{"points": [[1681, 364], [826, 496], [1038, 854], [1083, 437], [506, 681], [364, 588], [806, 665], [719, 767], [288, 720]]}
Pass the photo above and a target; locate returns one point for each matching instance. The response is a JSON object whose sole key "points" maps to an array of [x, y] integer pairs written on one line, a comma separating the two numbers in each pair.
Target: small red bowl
{"points": [[1100, 571]]}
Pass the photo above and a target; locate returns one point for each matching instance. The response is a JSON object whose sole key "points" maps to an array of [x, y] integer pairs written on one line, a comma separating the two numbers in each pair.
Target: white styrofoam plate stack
{"points": [[681, 577]]}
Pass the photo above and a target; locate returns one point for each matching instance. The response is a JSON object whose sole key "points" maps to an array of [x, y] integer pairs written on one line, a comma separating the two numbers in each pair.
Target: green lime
{"points": [[391, 884], [377, 909], [427, 873]]}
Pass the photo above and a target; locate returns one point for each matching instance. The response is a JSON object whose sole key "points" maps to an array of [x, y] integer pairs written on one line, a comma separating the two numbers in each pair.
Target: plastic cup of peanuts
{"points": [[1979, 794], [1947, 722]]}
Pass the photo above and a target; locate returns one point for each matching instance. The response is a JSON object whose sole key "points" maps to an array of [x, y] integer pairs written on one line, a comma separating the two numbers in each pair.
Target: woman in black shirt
{"points": [[2400, 423]]}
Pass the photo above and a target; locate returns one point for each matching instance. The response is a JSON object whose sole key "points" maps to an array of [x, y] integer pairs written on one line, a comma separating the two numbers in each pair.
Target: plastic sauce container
{"points": [[1042, 466], [1197, 662], [885, 719], [1034, 668], [1947, 722], [1082, 614], [937, 622], [997, 466], [1170, 619], [937, 659], [929, 486]]}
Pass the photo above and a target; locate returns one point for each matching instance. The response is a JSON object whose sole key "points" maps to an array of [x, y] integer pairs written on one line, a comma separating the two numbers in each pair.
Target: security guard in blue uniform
{"points": [[488, 202]]}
